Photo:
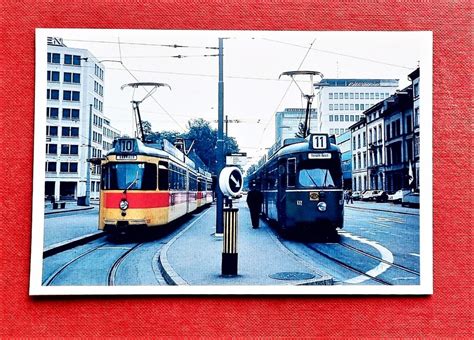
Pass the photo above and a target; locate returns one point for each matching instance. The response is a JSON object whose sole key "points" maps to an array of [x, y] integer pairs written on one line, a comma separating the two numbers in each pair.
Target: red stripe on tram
{"points": [[140, 200]]}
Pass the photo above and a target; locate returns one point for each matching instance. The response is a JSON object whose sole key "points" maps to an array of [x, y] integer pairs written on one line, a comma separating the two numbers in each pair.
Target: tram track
{"points": [[117, 263], [112, 272], [398, 266], [347, 266]]}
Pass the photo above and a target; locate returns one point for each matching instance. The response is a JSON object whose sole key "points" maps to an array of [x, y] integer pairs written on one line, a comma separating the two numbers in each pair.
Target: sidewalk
{"points": [[387, 207], [70, 206], [194, 256]]}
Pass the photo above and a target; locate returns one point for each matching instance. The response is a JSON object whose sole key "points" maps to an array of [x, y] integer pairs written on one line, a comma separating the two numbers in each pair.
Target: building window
{"points": [[357, 107], [347, 118], [352, 118], [341, 118], [330, 107], [375, 134], [356, 95], [52, 94], [74, 78], [353, 143], [371, 95], [364, 139], [416, 90], [337, 131], [71, 96], [336, 118], [50, 167], [54, 58], [359, 159], [417, 146], [354, 163], [52, 112], [68, 167], [351, 107], [76, 60], [71, 114], [341, 107], [365, 159], [331, 118], [330, 95], [346, 95], [417, 117], [67, 149], [53, 76], [70, 131], [336, 96], [358, 142], [376, 95], [408, 124], [346, 107], [51, 149], [336, 107], [68, 59], [51, 131], [351, 95], [367, 95], [331, 131], [341, 95], [380, 132]]}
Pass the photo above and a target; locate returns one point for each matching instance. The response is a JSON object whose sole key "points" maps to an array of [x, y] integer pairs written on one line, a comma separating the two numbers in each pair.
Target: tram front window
{"points": [[129, 176], [319, 175]]}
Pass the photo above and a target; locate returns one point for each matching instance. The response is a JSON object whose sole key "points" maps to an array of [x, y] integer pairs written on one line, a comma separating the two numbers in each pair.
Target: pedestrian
{"points": [[346, 196], [254, 202], [350, 197]]}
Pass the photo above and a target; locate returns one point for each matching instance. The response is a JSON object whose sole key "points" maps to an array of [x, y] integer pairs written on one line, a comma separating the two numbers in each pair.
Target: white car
{"points": [[366, 195], [396, 197]]}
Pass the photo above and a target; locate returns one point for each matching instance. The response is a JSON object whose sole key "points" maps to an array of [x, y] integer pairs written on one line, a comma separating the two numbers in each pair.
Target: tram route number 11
{"points": [[319, 141], [126, 145]]}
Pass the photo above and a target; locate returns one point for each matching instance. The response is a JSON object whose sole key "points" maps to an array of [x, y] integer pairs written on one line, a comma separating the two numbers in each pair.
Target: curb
{"points": [[169, 274], [384, 210], [67, 210], [69, 244]]}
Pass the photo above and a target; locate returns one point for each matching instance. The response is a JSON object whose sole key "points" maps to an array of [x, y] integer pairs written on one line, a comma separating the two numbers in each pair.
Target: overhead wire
{"points": [[142, 44]]}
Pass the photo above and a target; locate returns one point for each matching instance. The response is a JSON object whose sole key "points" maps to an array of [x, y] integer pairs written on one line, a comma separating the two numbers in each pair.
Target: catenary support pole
{"points": [[220, 141]]}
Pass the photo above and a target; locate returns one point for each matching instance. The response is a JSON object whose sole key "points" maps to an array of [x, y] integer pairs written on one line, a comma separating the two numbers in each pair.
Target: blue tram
{"points": [[302, 186]]}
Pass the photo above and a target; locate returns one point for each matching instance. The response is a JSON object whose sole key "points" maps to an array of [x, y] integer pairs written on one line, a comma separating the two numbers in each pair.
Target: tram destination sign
{"points": [[236, 158]]}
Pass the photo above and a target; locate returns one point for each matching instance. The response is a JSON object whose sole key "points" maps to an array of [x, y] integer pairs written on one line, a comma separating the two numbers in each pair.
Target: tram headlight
{"points": [[123, 204], [322, 206]]}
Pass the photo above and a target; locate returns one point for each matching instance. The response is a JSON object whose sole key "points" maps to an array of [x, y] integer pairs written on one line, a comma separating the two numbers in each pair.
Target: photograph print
{"points": [[232, 162]]}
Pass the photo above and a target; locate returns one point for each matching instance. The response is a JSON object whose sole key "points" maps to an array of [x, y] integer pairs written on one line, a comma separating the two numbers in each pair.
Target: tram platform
{"points": [[194, 256]]}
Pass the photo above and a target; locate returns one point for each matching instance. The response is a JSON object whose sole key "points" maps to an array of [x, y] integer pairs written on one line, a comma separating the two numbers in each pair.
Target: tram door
{"points": [[281, 195]]}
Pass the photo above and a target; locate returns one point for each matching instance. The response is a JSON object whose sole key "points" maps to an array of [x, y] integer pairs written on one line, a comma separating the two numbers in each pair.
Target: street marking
{"points": [[381, 224], [395, 220], [404, 278], [414, 254], [386, 255]]}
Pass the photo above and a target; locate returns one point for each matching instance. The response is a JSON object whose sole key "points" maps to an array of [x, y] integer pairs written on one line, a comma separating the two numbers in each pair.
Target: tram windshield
{"points": [[319, 175], [129, 176]]}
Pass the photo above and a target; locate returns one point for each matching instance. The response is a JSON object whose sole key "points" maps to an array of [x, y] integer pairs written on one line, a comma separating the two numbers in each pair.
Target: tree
{"points": [[300, 132]]}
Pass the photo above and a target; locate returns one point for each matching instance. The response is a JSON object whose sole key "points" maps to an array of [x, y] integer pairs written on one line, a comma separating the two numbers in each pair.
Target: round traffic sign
{"points": [[231, 181]]}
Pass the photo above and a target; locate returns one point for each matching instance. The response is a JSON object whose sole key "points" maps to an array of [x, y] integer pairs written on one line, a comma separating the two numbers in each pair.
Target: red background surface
{"points": [[446, 313]]}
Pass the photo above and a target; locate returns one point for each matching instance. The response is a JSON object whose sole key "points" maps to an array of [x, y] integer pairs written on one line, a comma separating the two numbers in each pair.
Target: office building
{"points": [[341, 102], [287, 123], [74, 120]]}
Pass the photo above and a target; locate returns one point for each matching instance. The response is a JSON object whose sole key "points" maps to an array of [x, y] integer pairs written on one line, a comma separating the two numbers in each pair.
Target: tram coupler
{"points": [[229, 253]]}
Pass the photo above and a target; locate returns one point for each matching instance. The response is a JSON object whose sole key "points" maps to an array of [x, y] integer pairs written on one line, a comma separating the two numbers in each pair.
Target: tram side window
{"points": [[163, 176], [291, 172]]}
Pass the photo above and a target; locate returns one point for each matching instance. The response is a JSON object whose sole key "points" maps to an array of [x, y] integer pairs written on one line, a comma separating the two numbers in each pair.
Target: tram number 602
{"points": [[319, 142], [126, 145]]}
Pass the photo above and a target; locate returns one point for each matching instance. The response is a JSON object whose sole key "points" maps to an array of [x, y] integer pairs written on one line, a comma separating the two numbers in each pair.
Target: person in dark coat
{"points": [[254, 201]]}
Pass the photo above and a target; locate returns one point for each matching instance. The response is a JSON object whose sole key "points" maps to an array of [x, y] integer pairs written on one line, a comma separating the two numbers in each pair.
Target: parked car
{"points": [[366, 195], [411, 199], [396, 197], [356, 195], [379, 196]]}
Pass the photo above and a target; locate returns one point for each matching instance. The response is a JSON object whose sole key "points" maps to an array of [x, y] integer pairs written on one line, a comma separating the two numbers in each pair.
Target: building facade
{"points": [[341, 102], [344, 143], [359, 155], [382, 144], [75, 120], [415, 79], [287, 123]]}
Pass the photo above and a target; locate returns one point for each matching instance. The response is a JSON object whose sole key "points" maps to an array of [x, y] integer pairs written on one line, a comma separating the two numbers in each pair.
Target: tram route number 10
{"points": [[319, 141], [126, 145]]}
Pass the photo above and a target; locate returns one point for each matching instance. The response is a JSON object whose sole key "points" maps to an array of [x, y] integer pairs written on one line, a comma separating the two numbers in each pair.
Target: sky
{"points": [[253, 61]]}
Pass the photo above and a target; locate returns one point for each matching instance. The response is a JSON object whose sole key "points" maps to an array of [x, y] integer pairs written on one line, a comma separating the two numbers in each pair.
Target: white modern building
{"points": [[287, 123], [341, 102], [75, 120]]}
